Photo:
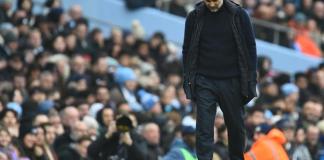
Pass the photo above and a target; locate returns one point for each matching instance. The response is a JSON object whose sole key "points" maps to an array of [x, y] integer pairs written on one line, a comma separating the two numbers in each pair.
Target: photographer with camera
{"points": [[120, 142]]}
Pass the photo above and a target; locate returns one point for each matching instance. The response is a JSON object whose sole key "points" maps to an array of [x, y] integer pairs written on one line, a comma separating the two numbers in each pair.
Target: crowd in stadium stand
{"points": [[305, 19], [68, 92]]}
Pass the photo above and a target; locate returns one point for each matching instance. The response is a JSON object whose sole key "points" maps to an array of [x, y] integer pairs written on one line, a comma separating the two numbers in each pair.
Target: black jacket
{"points": [[110, 149], [244, 38], [71, 154]]}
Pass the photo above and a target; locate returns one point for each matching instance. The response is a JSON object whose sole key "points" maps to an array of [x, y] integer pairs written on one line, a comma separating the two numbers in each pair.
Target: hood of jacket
{"points": [[277, 135]]}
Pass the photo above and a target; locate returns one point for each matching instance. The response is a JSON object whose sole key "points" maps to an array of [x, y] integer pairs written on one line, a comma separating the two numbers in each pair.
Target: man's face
{"points": [[83, 147], [213, 4]]}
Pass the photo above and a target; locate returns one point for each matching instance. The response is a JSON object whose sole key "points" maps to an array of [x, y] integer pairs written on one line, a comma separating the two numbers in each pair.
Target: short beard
{"points": [[213, 9]]}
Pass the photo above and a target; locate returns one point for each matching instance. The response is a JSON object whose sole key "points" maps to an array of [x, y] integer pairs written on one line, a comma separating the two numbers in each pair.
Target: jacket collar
{"points": [[229, 4]]}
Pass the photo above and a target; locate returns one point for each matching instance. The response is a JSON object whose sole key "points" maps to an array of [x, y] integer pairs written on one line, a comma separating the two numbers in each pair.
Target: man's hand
{"points": [[111, 129], [126, 138], [38, 151]]}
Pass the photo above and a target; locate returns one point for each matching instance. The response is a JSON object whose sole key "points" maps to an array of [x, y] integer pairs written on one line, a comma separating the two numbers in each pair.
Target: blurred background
{"points": [[102, 79]]}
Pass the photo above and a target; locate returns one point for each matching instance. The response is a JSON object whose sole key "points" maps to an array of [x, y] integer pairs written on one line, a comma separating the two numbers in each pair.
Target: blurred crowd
{"points": [[297, 24], [69, 92]]}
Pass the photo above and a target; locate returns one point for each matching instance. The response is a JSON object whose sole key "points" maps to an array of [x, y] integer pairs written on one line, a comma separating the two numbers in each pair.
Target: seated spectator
{"points": [[312, 137], [42, 148], [221, 143], [9, 119], [311, 113], [78, 129], [119, 142], [151, 134], [186, 150], [69, 116], [6, 146], [301, 151], [127, 88], [105, 117], [77, 150]]}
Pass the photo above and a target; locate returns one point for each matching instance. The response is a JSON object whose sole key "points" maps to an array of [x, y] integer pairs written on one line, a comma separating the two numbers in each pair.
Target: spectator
{"points": [[312, 137], [42, 148], [69, 116], [255, 117], [187, 149], [77, 150], [50, 134], [131, 146], [151, 134], [78, 129], [301, 151], [221, 144], [301, 82], [127, 88], [92, 126], [318, 11], [311, 114], [55, 120], [6, 145], [291, 93], [105, 117], [9, 119], [268, 146]]}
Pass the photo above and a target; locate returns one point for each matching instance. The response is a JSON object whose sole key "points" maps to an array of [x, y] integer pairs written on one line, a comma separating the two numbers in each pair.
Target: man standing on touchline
{"points": [[219, 59]]}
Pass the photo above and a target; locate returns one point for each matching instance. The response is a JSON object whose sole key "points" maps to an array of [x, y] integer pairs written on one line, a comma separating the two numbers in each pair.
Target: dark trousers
{"points": [[225, 92]]}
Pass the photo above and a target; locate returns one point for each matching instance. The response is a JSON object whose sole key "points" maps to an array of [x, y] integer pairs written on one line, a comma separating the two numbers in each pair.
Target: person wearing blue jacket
{"points": [[185, 148]]}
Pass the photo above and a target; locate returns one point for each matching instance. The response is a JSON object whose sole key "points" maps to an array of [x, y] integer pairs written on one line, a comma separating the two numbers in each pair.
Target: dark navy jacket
{"points": [[244, 38]]}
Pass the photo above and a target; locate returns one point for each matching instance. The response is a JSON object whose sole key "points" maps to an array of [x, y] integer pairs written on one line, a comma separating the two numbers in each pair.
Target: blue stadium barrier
{"points": [[115, 12]]}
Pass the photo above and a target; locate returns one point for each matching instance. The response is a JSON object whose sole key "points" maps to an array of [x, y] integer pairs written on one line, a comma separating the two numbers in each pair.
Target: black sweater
{"points": [[218, 57]]}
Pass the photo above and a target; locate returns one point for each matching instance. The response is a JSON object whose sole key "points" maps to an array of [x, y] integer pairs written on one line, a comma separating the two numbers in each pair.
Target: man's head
{"points": [[78, 130], [288, 127], [213, 4], [312, 110], [256, 116], [261, 130], [47, 80], [82, 146], [50, 134], [188, 135], [78, 64], [40, 135], [312, 135], [125, 76], [5, 138], [301, 80], [37, 94], [40, 119], [151, 133], [105, 116], [75, 12], [69, 116], [35, 38], [103, 95]]}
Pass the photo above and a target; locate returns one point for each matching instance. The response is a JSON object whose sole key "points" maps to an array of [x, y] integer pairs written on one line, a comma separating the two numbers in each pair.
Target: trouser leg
{"points": [[206, 110], [231, 104]]}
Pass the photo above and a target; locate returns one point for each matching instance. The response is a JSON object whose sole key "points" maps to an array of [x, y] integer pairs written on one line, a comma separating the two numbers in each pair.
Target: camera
{"points": [[124, 124]]}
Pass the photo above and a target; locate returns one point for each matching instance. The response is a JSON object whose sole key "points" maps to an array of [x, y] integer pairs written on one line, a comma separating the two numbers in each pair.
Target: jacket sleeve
{"points": [[186, 42], [137, 150], [250, 43], [95, 147]]}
